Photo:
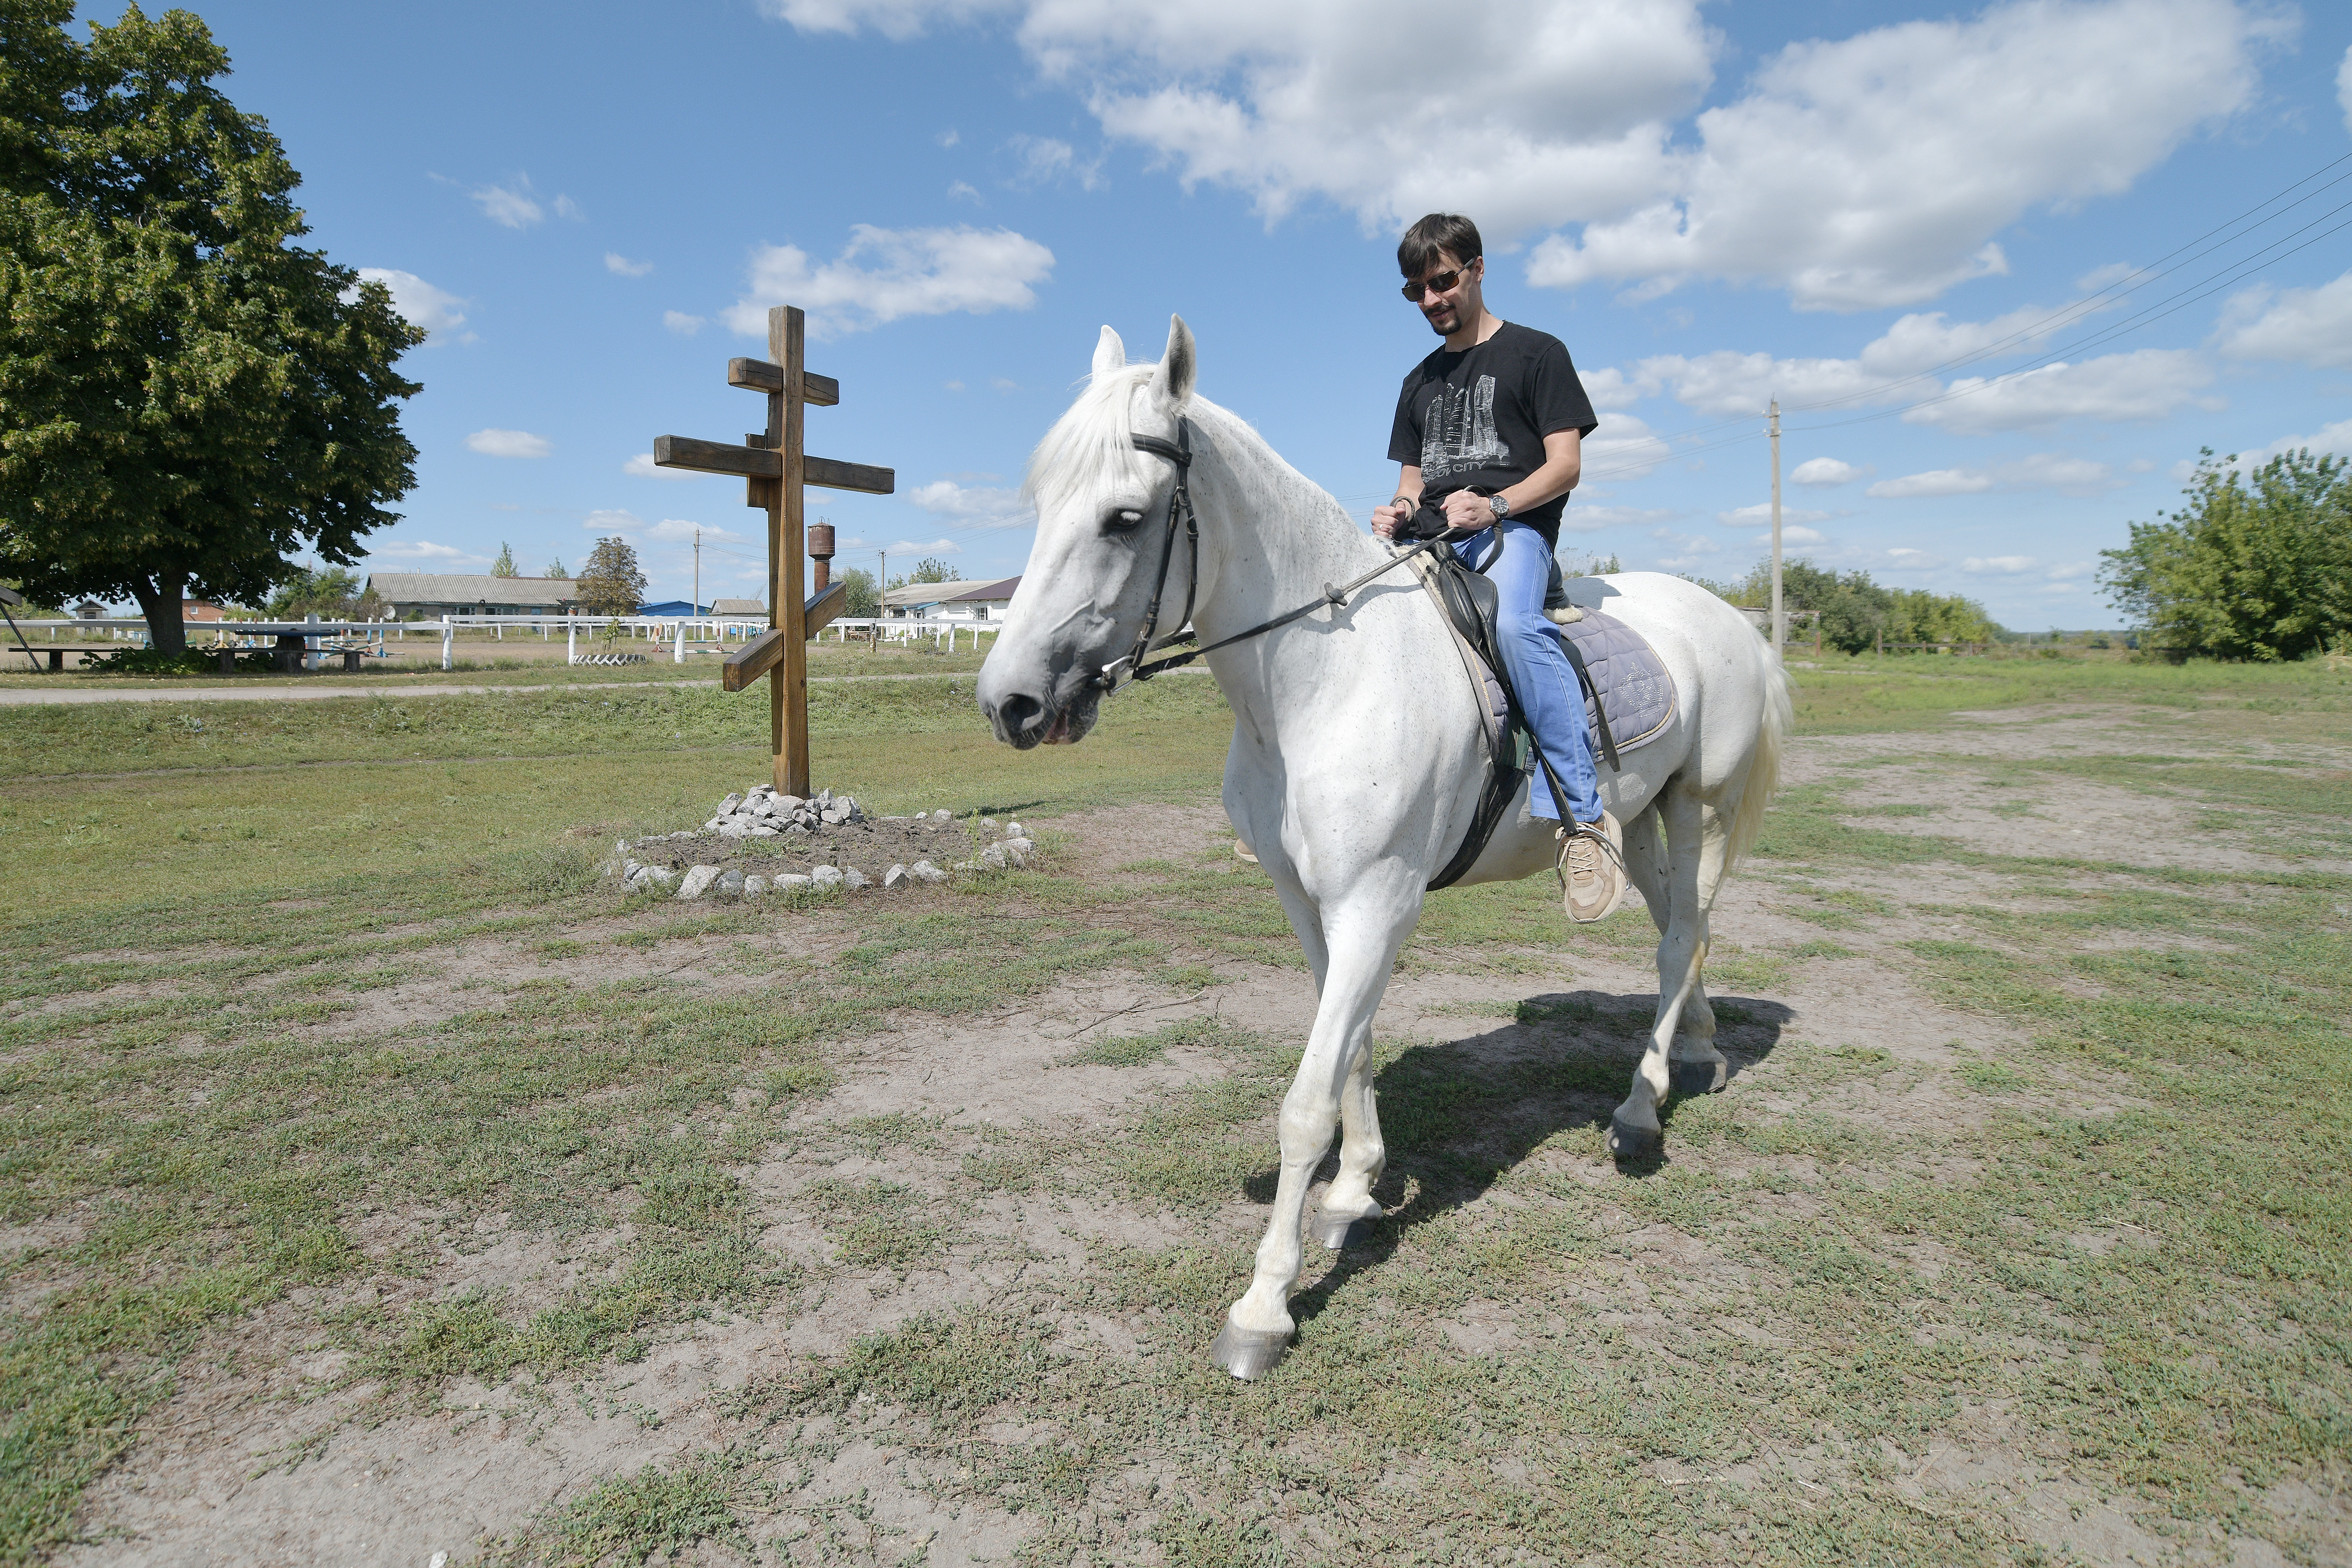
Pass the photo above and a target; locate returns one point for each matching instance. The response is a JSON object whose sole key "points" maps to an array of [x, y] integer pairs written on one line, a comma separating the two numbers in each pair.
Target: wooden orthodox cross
{"points": [[776, 463]]}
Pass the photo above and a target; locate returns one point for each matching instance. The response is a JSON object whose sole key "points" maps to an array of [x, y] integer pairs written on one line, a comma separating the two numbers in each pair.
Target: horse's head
{"points": [[1102, 531]]}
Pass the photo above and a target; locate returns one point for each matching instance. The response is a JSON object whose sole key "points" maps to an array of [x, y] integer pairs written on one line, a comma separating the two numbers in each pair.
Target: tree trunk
{"points": [[160, 599]]}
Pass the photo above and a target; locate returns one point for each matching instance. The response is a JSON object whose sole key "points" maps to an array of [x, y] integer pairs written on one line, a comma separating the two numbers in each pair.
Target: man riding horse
{"points": [[1489, 429]]}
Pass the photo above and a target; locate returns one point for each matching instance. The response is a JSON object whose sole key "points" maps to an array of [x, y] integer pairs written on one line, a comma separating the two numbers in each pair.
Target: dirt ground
{"points": [[264, 1456]]}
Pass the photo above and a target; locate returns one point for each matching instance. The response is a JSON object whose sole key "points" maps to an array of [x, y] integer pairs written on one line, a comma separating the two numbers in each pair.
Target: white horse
{"points": [[1356, 762]]}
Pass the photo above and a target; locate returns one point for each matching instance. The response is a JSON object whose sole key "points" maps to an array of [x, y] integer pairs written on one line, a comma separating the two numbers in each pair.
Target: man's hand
{"points": [[1388, 519], [1468, 513]]}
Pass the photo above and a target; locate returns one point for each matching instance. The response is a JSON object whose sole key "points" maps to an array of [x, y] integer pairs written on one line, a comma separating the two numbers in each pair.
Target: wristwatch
{"points": [[1502, 507]]}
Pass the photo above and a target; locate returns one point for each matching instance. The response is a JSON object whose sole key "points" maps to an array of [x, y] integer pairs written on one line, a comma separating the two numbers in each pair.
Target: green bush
{"points": [[1856, 611], [2256, 566], [127, 660]]}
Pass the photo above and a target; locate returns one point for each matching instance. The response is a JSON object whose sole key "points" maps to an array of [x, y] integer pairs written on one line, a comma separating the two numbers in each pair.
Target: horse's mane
{"points": [[1092, 444]]}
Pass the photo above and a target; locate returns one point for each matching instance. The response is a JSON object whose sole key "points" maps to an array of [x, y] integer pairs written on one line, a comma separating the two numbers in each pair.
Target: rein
{"points": [[1179, 503]]}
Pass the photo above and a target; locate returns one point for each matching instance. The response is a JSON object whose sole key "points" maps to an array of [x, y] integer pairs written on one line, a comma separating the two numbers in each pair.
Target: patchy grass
{"points": [[2117, 1256]]}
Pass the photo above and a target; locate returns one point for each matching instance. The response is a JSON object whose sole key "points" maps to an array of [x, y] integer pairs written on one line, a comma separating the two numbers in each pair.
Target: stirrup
{"points": [[1604, 834]]}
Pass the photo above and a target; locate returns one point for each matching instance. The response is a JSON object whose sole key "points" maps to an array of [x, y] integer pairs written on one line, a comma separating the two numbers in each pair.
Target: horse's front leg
{"points": [[1363, 938]]}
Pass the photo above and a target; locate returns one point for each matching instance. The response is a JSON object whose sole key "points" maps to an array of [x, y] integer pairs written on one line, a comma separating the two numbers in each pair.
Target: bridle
{"points": [[1179, 506]]}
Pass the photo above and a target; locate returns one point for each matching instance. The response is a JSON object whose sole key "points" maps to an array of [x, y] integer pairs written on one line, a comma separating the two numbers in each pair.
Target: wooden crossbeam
{"points": [[766, 651], [762, 462], [759, 375]]}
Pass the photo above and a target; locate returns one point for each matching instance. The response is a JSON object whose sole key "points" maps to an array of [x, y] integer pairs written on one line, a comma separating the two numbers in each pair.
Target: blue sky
{"points": [[1896, 219]]}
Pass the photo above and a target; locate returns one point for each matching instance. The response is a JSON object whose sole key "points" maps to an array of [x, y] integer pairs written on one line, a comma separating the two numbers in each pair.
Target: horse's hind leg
{"points": [[1348, 1204], [1696, 1066], [1697, 838], [1363, 938]]}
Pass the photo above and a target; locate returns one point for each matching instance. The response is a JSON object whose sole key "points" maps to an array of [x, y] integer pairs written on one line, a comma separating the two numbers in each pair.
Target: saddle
{"points": [[1633, 692]]}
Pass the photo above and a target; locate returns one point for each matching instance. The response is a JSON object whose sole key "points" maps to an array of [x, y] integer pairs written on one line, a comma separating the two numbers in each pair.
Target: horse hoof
{"points": [[1340, 1231], [1248, 1353], [1698, 1077], [1627, 1142]]}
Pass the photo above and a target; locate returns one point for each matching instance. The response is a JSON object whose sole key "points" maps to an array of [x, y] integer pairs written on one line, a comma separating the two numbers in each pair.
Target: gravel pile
{"points": [[763, 841]]}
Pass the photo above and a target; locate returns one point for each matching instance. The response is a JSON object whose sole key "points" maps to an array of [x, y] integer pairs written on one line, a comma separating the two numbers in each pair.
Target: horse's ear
{"points": [[1109, 354], [1179, 367]]}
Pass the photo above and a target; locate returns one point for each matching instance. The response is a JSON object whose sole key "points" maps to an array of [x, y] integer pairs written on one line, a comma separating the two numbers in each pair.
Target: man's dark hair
{"points": [[1450, 233]]}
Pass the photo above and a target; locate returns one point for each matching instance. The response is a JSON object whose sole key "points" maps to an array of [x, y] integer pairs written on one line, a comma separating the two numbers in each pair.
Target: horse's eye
{"points": [[1121, 521]]}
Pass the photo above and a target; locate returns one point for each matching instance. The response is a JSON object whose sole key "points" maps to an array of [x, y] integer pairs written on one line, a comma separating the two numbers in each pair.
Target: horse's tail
{"points": [[1764, 771]]}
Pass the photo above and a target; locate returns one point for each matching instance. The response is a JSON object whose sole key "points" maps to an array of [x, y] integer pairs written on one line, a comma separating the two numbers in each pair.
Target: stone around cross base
{"points": [[1012, 830], [730, 883], [755, 886], [853, 879], [825, 875], [994, 856], [895, 878], [1018, 850], [698, 881], [728, 805], [734, 828], [924, 871], [791, 879], [653, 876]]}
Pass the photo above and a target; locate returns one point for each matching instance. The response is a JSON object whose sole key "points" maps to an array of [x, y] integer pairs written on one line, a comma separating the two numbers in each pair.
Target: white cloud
{"points": [[2071, 569], [1792, 533], [509, 206], [963, 192], [1934, 481], [1902, 558], [2331, 438], [1623, 447], [1046, 161], [613, 520], [2303, 326], [2041, 470], [949, 137], [642, 466], [679, 530], [1609, 388], [975, 507], [508, 443], [615, 262], [2146, 384], [1749, 517], [679, 322], [2344, 88], [566, 207], [421, 550], [1827, 471], [1581, 518], [1861, 173], [917, 547], [421, 304], [1998, 564], [886, 274], [1876, 170]]}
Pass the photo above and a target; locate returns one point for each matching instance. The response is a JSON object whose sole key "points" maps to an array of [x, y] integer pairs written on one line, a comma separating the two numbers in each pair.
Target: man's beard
{"points": [[1435, 325]]}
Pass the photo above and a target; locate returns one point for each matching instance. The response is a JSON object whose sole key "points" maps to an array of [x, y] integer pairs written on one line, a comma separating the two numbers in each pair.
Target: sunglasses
{"points": [[1442, 282]]}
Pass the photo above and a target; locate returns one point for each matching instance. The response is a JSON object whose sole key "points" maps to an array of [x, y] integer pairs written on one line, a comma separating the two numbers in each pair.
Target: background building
{"points": [[411, 595]]}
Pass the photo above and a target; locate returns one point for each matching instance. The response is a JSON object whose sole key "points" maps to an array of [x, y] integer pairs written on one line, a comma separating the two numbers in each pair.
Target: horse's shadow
{"points": [[1456, 1116]]}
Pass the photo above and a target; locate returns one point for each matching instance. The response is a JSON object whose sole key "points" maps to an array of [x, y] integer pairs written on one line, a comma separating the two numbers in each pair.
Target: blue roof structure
{"points": [[674, 606]]}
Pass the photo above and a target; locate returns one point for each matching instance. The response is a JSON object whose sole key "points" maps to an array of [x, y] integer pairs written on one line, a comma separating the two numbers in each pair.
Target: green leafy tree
{"points": [[864, 596], [1854, 611], [192, 399], [2254, 566], [504, 566], [611, 584], [930, 568], [555, 569], [332, 593]]}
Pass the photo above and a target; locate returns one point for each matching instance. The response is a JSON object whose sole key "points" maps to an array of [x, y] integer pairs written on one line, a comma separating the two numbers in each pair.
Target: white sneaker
{"points": [[1591, 867]]}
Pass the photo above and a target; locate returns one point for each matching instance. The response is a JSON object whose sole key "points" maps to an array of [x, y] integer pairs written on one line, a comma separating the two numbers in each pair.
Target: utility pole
{"points": [[1779, 615], [882, 590]]}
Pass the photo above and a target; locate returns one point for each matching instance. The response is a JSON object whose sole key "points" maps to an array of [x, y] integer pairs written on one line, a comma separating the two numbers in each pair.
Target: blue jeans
{"points": [[1550, 697]]}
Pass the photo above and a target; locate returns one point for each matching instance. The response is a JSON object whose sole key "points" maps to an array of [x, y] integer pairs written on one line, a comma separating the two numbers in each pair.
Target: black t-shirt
{"points": [[1479, 417]]}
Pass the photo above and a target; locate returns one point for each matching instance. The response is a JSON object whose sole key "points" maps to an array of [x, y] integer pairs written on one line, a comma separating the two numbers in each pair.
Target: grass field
{"points": [[377, 1184]]}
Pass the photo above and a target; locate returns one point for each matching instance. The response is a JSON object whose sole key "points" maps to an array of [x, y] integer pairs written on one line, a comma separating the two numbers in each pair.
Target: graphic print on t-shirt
{"points": [[1457, 435]]}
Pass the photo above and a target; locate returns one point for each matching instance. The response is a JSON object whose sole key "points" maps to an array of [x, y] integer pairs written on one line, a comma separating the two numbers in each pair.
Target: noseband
{"points": [[1179, 503]]}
